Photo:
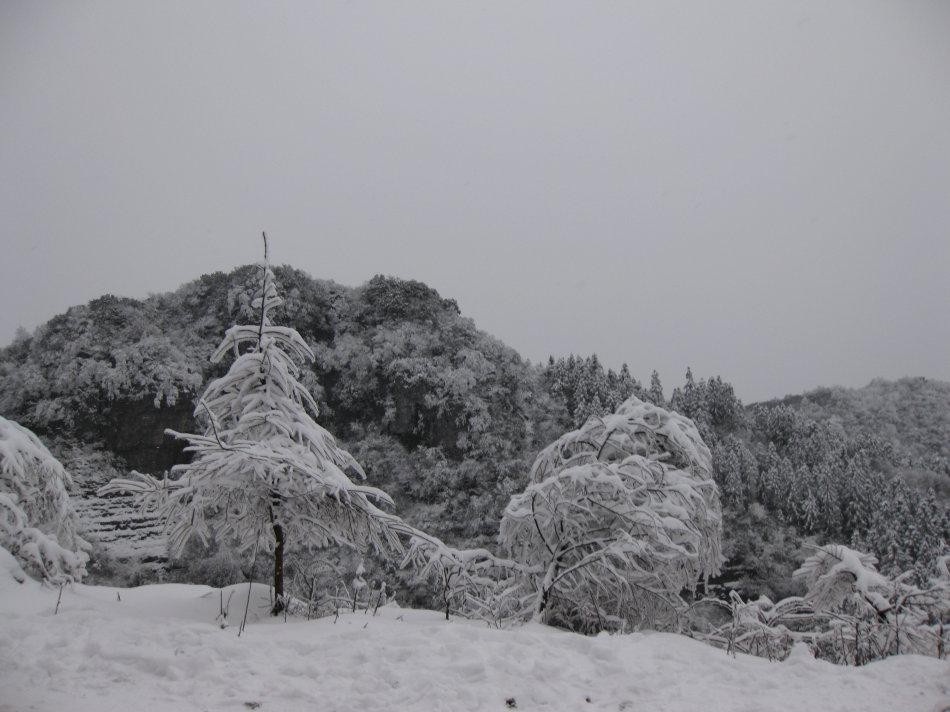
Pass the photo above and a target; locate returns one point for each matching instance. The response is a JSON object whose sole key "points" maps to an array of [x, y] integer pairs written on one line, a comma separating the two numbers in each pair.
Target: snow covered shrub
{"points": [[618, 518], [758, 627], [843, 580], [37, 520], [264, 472], [867, 616], [850, 614], [473, 583], [213, 565]]}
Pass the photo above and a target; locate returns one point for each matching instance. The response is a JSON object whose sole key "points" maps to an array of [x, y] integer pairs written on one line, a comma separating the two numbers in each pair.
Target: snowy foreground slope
{"points": [[160, 648]]}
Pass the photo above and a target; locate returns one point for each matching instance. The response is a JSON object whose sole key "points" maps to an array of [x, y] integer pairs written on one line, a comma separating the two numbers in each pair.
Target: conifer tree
{"points": [[264, 472], [655, 394]]}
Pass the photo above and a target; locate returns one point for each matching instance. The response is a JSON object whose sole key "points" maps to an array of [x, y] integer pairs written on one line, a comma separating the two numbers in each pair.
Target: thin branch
{"points": [[606, 440], [250, 578], [586, 561], [581, 545], [600, 622], [260, 335], [537, 526], [214, 425]]}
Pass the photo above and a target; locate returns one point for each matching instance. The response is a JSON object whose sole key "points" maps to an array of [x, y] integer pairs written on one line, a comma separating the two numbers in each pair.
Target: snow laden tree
{"points": [[38, 524], [264, 472], [619, 517]]}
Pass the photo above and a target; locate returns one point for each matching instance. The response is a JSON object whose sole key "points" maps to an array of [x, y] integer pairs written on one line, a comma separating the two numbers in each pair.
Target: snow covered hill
{"points": [[160, 648]]}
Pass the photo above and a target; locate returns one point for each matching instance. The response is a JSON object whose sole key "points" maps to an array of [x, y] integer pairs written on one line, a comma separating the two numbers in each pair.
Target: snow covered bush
{"points": [[264, 472], [619, 517], [843, 580], [868, 616], [850, 613], [473, 583], [37, 521]]}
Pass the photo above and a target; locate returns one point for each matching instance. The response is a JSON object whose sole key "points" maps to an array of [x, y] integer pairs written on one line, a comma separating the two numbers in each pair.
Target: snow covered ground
{"points": [[160, 648]]}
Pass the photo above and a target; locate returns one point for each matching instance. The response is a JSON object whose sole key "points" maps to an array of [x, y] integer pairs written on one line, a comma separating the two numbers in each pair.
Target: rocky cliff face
{"points": [[135, 431]]}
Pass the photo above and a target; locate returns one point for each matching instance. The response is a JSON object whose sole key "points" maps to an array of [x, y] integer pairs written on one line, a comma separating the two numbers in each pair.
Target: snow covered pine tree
{"points": [[37, 520], [619, 517], [265, 473]]}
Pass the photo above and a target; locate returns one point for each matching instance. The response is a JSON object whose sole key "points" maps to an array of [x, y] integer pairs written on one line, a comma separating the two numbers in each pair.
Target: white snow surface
{"points": [[160, 648]]}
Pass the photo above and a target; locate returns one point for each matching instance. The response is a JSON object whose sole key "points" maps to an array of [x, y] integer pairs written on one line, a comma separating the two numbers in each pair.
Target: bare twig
{"points": [[260, 336], [379, 598], [250, 578], [537, 526], [313, 588]]}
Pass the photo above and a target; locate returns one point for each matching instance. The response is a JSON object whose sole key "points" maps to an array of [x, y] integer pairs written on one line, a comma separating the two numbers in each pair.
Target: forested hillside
{"points": [[448, 419], [912, 414]]}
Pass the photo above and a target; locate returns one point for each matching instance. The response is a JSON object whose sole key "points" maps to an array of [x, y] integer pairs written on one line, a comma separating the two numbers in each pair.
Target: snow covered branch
{"points": [[38, 524]]}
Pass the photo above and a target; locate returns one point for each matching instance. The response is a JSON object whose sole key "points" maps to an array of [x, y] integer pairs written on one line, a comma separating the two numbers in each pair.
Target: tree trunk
{"points": [[540, 611], [278, 569]]}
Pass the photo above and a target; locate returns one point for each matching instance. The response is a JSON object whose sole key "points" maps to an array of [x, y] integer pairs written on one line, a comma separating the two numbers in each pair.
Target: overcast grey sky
{"points": [[758, 189]]}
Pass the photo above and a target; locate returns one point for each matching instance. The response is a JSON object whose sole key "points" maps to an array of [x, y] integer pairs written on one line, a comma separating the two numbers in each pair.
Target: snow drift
{"points": [[163, 647]]}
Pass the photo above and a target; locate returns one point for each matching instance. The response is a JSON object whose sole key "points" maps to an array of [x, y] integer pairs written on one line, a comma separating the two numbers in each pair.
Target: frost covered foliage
{"points": [[618, 518], [587, 389], [81, 362], [405, 358], [842, 488], [447, 419], [912, 414], [37, 520], [840, 579], [264, 472], [850, 613], [473, 583]]}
